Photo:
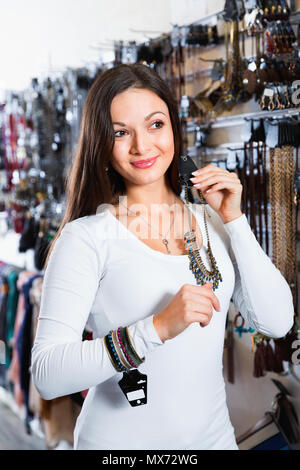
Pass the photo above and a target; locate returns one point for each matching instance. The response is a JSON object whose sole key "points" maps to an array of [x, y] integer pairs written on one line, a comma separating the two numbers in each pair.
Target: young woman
{"points": [[136, 289]]}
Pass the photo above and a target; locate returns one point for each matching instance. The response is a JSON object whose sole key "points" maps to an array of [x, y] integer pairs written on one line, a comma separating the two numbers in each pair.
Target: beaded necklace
{"points": [[201, 273]]}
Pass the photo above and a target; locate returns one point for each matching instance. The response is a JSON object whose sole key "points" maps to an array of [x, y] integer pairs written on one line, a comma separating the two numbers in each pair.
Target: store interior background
{"points": [[42, 39]]}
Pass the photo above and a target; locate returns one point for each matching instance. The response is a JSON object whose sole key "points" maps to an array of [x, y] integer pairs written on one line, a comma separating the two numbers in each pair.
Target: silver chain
{"points": [[165, 241]]}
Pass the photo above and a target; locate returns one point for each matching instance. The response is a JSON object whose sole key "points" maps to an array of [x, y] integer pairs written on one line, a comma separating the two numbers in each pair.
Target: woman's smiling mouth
{"points": [[144, 163]]}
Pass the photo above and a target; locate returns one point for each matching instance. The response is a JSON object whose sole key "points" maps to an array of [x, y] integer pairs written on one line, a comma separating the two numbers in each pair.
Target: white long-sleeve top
{"points": [[101, 273]]}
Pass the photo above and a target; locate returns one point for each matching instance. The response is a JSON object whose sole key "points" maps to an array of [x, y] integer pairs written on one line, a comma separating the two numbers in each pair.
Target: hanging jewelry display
{"points": [[283, 213], [283, 221]]}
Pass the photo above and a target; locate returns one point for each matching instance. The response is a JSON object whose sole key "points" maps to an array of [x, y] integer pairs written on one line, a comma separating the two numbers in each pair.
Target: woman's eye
{"points": [[119, 133], [157, 124]]}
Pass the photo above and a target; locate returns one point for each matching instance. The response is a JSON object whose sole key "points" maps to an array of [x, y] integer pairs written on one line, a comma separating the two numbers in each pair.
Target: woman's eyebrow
{"points": [[151, 114], [146, 118]]}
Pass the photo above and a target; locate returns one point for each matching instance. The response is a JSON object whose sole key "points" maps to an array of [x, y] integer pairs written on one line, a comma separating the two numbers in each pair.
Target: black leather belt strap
{"points": [[259, 190], [252, 194], [265, 196]]}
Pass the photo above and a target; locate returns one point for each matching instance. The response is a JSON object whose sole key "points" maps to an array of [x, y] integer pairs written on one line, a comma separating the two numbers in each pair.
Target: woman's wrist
{"points": [[160, 330], [230, 218]]}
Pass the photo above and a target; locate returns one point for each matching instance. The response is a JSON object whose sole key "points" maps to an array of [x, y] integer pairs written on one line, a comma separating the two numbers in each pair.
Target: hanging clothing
{"points": [[101, 272], [24, 345], [11, 311], [4, 289], [13, 373]]}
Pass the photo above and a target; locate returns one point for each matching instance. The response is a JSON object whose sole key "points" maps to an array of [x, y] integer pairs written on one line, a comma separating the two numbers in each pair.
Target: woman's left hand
{"points": [[221, 189]]}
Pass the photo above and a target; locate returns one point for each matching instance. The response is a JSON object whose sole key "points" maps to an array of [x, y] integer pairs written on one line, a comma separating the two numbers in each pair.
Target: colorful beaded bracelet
{"points": [[125, 348], [122, 356], [113, 355], [121, 351], [131, 347]]}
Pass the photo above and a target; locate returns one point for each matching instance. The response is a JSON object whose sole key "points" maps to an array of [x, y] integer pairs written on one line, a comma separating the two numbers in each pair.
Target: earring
{"points": [[106, 168]]}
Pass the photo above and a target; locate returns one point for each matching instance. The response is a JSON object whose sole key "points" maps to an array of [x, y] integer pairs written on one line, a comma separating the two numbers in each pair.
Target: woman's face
{"points": [[143, 130]]}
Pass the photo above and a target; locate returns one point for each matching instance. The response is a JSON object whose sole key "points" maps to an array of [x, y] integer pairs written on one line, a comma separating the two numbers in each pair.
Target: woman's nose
{"points": [[140, 143]]}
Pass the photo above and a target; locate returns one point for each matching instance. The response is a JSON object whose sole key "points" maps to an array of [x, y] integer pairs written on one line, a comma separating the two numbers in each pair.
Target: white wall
{"points": [[188, 11], [41, 37]]}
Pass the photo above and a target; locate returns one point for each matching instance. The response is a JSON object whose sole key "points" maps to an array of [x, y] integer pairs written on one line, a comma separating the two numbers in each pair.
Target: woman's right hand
{"points": [[190, 304]]}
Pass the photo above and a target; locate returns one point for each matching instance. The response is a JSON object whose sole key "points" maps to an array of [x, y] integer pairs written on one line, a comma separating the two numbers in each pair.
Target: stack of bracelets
{"points": [[120, 350]]}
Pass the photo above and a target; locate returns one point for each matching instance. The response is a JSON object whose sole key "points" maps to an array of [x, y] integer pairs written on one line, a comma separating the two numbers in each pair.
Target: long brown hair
{"points": [[88, 184]]}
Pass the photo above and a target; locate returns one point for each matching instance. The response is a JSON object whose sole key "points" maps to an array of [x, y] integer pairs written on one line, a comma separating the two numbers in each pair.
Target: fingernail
{"points": [[195, 172]]}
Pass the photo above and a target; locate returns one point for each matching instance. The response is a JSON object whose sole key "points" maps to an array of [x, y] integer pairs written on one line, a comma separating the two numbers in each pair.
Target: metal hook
{"points": [[234, 149], [210, 60]]}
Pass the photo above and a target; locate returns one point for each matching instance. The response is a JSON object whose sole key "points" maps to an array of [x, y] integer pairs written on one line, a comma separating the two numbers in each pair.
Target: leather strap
{"points": [[265, 197], [244, 182], [252, 190], [259, 190]]}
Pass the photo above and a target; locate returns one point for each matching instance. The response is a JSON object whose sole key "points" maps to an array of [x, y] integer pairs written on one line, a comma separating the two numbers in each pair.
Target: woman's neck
{"points": [[148, 196]]}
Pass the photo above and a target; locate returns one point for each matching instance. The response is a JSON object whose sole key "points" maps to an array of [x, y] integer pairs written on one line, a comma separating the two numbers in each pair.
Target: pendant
{"points": [[166, 244]]}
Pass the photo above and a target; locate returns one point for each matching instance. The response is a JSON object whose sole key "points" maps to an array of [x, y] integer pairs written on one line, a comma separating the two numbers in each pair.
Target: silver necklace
{"points": [[164, 240]]}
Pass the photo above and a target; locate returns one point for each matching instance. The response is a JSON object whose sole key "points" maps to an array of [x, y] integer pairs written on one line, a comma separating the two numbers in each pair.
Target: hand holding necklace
{"points": [[222, 190]]}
